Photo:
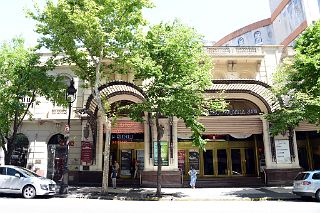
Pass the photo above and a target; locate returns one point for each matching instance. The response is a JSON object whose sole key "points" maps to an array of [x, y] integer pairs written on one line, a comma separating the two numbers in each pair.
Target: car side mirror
{"points": [[17, 175]]}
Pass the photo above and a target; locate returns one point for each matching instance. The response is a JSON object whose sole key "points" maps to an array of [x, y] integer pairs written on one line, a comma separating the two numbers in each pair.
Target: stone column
{"points": [[266, 143], [175, 142], [147, 165], [295, 149]]}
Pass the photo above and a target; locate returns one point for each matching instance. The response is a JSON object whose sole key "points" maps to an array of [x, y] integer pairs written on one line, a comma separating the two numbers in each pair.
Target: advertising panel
{"points": [[86, 153], [282, 151], [164, 153]]}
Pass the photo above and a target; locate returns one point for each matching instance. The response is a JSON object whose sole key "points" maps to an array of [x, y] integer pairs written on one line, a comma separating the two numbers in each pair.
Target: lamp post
{"points": [[70, 98]]}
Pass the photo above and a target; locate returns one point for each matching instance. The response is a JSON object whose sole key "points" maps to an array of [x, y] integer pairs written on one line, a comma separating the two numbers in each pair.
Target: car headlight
{"points": [[44, 186]]}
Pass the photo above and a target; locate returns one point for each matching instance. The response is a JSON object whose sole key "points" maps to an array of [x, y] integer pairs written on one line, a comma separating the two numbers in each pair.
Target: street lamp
{"points": [[70, 98]]}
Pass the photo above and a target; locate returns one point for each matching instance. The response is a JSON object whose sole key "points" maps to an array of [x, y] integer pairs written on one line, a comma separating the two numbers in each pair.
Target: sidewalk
{"points": [[184, 194]]}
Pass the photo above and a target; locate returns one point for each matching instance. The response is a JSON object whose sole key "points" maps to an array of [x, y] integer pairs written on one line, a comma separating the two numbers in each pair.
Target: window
{"points": [[316, 176], [11, 171], [302, 176], [2, 170], [26, 100]]}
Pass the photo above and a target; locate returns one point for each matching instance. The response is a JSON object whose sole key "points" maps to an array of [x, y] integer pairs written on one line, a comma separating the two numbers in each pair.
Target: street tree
{"points": [[297, 84], [22, 77], [97, 36], [176, 71]]}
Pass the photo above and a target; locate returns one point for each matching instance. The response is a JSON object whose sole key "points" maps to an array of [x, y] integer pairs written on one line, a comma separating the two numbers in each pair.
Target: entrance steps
{"points": [[216, 182], [212, 182]]}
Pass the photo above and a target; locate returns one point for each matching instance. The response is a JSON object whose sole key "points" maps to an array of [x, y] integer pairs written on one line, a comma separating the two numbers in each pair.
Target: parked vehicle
{"points": [[307, 184], [19, 180]]}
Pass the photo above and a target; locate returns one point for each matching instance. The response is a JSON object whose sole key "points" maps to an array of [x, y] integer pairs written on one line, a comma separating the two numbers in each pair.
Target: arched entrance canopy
{"points": [[256, 88], [112, 89]]}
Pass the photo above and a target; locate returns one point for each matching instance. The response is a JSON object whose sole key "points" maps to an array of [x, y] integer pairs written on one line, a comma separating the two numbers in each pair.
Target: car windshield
{"points": [[302, 176], [28, 172]]}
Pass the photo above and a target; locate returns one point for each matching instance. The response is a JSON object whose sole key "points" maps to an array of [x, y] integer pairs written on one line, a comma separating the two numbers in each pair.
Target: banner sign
{"points": [[282, 151], [164, 153], [86, 153]]}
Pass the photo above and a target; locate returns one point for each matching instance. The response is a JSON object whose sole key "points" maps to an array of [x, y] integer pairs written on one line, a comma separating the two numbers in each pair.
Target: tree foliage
{"points": [[297, 84], [89, 31], [97, 36], [22, 75], [176, 70]]}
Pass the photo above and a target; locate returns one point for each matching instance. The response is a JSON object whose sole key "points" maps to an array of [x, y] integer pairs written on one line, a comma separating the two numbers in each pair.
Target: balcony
{"points": [[234, 51]]}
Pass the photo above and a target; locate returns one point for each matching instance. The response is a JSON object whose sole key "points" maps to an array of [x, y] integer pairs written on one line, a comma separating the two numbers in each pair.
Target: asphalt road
{"points": [[68, 205]]}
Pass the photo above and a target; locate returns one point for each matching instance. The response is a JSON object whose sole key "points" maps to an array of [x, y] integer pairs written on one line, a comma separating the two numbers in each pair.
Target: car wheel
{"points": [[29, 192], [318, 195]]}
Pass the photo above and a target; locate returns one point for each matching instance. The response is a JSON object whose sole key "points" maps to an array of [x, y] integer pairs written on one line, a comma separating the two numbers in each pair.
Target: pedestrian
{"points": [[193, 177], [132, 167], [114, 177], [117, 167], [136, 169]]}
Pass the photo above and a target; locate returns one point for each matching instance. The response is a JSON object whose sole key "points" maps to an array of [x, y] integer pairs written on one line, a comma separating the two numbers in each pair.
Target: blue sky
{"points": [[211, 18]]}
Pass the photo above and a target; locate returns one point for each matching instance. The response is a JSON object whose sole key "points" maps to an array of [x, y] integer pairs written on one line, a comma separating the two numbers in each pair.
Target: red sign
{"points": [[127, 127], [86, 153]]}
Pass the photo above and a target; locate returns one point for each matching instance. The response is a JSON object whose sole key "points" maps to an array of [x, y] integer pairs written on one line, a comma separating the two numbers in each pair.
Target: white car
{"points": [[307, 184], [18, 180]]}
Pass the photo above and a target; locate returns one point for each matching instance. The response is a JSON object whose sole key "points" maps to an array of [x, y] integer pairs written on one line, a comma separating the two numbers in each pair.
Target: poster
{"points": [[164, 153], [282, 151], [86, 153], [125, 163], [181, 161], [140, 159], [194, 159]]}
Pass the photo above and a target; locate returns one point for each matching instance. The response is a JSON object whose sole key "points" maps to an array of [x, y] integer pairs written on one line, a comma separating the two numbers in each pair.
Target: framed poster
{"points": [[282, 151], [164, 153], [140, 158], [86, 153], [194, 159], [181, 160], [125, 164]]}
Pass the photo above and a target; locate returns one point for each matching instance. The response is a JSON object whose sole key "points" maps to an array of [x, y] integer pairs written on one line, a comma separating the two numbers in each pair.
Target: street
{"points": [[53, 205]]}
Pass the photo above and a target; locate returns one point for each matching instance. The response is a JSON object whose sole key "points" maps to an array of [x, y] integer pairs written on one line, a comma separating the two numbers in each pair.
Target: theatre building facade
{"points": [[239, 145]]}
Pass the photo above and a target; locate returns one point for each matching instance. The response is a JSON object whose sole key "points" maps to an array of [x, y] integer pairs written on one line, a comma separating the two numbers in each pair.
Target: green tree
{"points": [[297, 84], [22, 75], [177, 70], [95, 35]]}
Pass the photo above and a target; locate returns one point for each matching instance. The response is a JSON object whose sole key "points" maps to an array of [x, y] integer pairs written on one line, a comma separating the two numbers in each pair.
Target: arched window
{"points": [[20, 151]]}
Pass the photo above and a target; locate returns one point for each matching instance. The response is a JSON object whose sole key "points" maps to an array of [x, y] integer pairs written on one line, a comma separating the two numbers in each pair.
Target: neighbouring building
{"points": [[239, 144]]}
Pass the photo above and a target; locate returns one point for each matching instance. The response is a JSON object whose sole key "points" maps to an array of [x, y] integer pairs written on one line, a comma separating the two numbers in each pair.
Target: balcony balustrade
{"points": [[234, 51]]}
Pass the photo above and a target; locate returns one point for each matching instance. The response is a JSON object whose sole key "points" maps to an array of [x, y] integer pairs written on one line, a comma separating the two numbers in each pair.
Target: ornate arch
{"points": [[255, 88], [112, 89]]}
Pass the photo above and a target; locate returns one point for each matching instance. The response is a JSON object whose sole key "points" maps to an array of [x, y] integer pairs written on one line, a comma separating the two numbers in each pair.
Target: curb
{"points": [[171, 198]]}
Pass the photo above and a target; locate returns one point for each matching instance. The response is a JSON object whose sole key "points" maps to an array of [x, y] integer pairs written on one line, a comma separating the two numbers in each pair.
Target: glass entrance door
{"points": [[249, 161], [222, 158], [208, 162], [236, 162]]}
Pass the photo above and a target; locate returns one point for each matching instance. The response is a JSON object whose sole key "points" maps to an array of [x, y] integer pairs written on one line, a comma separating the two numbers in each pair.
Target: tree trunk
{"points": [[105, 176], [159, 136]]}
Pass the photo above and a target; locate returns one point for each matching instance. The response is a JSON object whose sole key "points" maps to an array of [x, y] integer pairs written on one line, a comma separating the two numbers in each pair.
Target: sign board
{"points": [[194, 161], [126, 162], [181, 160], [164, 153], [86, 153], [282, 151]]}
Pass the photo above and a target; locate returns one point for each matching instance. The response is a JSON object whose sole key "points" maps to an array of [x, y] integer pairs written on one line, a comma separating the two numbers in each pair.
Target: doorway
{"points": [[229, 162], [56, 157]]}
